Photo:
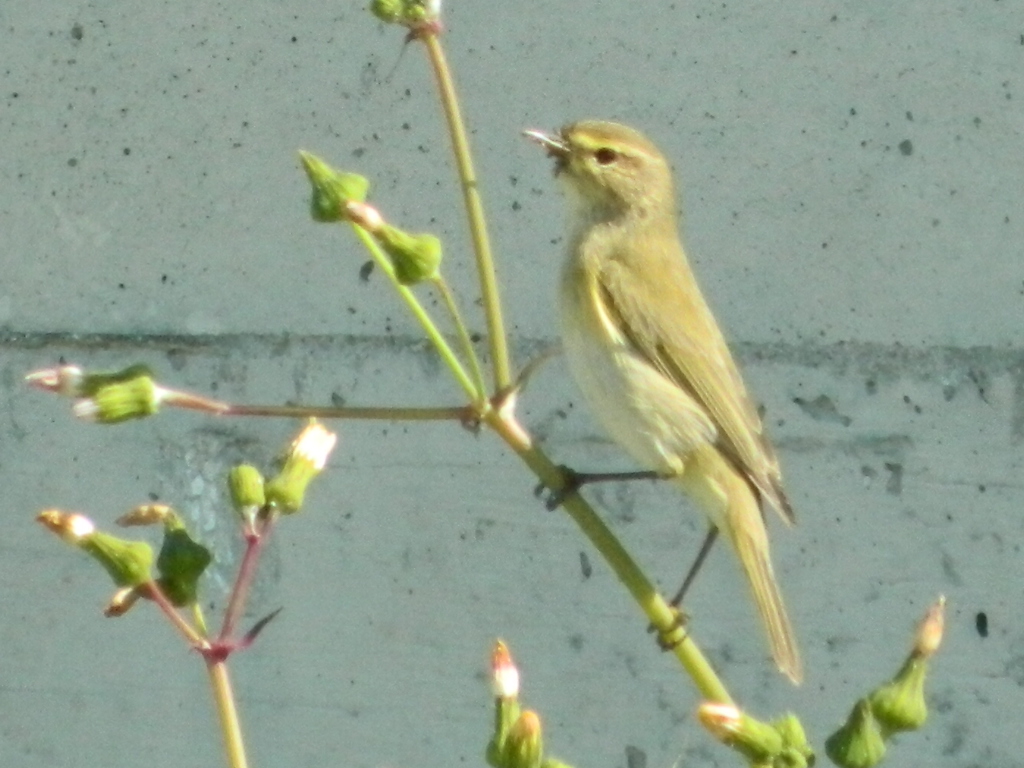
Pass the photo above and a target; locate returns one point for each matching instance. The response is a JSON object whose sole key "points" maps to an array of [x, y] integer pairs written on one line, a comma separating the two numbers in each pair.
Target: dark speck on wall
{"points": [[906, 148]]}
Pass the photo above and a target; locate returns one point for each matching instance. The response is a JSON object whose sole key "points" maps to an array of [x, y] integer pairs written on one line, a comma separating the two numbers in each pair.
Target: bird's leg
{"points": [[677, 599], [573, 481], [702, 555]]}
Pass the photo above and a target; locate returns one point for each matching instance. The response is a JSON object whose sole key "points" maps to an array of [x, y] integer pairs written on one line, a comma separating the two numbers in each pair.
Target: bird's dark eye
{"points": [[606, 156]]}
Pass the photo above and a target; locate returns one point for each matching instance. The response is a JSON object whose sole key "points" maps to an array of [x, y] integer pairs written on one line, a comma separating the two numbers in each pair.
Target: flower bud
{"points": [[415, 257], [929, 633], [504, 675], [112, 403], [63, 380], [306, 459], [388, 11], [524, 746], [899, 705], [331, 189], [149, 514], [759, 742], [70, 526], [127, 562], [245, 483], [858, 744], [122, 602], [505, 685], [409, 13], [796, 752]]}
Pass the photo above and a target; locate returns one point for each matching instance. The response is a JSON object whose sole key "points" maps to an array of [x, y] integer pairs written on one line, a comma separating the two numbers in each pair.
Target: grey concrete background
{"points": [[852, 176]]}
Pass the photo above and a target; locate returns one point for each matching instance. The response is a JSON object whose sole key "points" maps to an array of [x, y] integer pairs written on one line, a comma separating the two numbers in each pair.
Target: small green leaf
{"points": [[181, 562], [415, 257]]}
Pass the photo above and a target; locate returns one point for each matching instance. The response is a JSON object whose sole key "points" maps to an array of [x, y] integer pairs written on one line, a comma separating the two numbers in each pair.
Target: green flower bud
{"points": [[112, 403], [409, 13], [93, 382], [72, 381], [306, 460], [129, 563], [505, 685], [858, 744], [245, 484], [796, 752], [415, 257], [757, 741], [524, 746], [331, 189], [388, 11], [899, 705]]}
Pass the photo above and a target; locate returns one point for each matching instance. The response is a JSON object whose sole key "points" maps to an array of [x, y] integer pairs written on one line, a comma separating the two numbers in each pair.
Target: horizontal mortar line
{"points": [[865, 356]]}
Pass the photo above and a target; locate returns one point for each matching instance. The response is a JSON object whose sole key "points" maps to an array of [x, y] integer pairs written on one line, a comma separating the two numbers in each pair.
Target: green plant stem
{"points": [[187, 631], [422, 316], [658, 612], [474, 208], [454, 413], [200, 619], [442, 288], [193, 402], [224, 700]]}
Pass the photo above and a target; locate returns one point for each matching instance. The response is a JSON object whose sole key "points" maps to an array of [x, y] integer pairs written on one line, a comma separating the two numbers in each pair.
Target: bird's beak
{"points": [[555, 146], [552, 142]]}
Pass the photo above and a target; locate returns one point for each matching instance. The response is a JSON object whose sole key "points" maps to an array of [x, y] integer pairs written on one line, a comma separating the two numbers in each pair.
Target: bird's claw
{"points": [[554, 499], [669, 638]]}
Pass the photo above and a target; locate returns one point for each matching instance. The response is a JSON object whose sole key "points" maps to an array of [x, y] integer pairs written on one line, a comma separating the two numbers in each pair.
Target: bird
{"points": [[649, 358]]}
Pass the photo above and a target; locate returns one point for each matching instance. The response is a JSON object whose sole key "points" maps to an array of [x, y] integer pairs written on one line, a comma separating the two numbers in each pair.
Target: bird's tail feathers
{"points": [[755, 560]]}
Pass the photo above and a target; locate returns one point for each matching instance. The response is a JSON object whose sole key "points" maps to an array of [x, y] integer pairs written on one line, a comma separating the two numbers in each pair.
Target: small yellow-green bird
{"points": [[649, 358]]}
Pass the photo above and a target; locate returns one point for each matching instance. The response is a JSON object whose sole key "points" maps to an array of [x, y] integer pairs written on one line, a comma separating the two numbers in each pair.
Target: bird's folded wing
{"points": [[674, 330]]}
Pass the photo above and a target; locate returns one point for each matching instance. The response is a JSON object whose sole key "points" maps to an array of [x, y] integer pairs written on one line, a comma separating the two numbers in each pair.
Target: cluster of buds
{"points": [[896, 706], [409, 13], [765, 745], [518, 739], [172, 577], [129, 563], [341, 196], [182, 559]]}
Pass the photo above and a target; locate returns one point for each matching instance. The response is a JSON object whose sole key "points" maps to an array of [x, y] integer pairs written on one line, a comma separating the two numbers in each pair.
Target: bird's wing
{"points": [[675, 331]]}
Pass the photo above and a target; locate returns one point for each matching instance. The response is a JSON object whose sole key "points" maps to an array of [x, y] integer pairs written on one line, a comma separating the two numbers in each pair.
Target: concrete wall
{"points": [[852, 183]]}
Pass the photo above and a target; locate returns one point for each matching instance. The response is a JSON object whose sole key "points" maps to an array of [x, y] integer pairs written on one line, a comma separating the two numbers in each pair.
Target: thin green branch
{"points": [[441, 286], [661, 616], [454, 413], [422, 316], [474, 207], [190, 401], [224, 700], [187, 630]]}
